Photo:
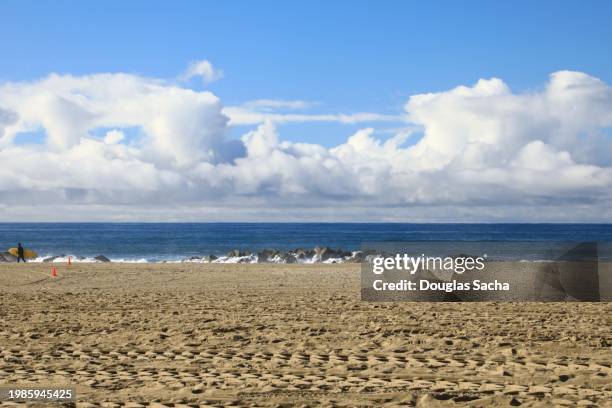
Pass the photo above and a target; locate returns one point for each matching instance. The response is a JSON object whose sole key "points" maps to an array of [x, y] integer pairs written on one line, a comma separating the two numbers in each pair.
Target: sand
{"points": [[277, 335]]}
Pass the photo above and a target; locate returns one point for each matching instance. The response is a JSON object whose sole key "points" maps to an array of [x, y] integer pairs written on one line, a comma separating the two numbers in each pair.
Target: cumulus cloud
{"points": [[181, 126], [569, 114], [203, 69], [482, 152]]}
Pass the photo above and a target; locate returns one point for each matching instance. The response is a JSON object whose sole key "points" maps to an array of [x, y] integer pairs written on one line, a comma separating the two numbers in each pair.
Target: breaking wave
{"points": [[297, 256]]}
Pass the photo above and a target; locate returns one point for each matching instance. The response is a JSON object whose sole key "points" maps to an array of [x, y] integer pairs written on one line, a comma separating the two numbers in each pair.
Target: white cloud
{"points": [[181, 126], [485, 153], [244, 116], [260, 111], [7, 118], [113, 136], [270, 104], [203, 69]]}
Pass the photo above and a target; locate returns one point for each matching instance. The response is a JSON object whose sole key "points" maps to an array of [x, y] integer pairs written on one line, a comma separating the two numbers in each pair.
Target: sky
{"points": [[305, 111]]}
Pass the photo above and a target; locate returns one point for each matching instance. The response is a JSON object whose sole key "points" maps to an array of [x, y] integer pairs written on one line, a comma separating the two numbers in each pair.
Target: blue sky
{"points": [[344, 56], [317, 111]]}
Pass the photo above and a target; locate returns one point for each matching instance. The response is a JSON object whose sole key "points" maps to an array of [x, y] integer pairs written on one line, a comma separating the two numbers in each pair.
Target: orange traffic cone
{"points": [[53, 272]]}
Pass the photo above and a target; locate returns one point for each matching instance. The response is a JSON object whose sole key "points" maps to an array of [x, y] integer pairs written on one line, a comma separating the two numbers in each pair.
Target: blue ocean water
{"points": [[175, 241]]}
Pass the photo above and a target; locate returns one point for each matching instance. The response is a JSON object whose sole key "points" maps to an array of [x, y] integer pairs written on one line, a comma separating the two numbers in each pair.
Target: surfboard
{"points": [[27, 253]]}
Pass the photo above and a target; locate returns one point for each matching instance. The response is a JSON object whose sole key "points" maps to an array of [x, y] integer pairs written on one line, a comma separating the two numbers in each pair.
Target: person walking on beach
{"points": [[20, 253]]}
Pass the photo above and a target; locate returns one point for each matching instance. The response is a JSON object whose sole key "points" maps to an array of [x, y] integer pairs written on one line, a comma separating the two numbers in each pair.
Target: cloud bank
{"points": [[126, 147]]}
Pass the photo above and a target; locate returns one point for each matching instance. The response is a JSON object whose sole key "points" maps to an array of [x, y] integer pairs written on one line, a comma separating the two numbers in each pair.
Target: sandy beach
{"points": [[288, 335]]}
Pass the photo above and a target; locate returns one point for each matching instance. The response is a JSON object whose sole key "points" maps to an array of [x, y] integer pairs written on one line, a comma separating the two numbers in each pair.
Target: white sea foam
{"points": [[277, 257], [83, 259], [64, 258], [121, 260]]}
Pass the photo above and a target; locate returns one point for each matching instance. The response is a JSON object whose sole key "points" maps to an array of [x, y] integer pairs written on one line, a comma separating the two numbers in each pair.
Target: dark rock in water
{"points": [[302, 254], [298, 255], [266, 254], [357, 257], [53, 258], [288, 258], [325, 253], [319, 252], [344, 254], [102, 258], [236, 252]]}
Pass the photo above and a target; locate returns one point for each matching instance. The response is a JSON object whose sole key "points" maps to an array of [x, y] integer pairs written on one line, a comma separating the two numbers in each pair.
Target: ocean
{"points": [[157, 242]]}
